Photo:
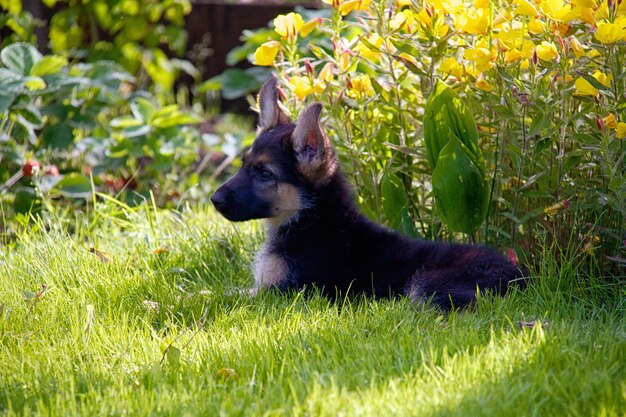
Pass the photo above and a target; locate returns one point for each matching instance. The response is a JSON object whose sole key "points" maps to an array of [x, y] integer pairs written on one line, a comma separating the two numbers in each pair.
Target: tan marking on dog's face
{"points": [[287, 202], [269, 269]]}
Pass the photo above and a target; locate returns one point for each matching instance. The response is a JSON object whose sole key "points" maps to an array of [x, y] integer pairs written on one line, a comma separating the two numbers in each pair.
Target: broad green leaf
{"points": [[20, 57], [32, 115], [34, 83], [125, 121], [6, 99], [211, 84], [143, 109], [445, 111], [393, 199], [237, 83], [74, 185], [395, 203], [461, 193], [160, 70], [136, 131], [26, 201], [49, 64], [175, 119], [10, 81], [58, 136]]}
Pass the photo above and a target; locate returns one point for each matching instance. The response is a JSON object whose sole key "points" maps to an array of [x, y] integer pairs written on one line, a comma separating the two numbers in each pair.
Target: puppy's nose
{"points": [[219, 198]]}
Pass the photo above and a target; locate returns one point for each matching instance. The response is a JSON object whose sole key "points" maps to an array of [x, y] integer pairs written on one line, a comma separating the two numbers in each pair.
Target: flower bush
{"points": [[85, 120], [543, 79]]}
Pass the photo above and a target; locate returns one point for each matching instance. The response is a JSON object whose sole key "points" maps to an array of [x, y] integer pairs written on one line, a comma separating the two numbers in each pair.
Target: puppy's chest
{"points": [[297, 262], [270, 268]]}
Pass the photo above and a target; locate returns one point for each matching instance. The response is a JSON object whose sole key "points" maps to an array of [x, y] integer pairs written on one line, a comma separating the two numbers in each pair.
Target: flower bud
{"points": [[309, 68], [599, 123]]}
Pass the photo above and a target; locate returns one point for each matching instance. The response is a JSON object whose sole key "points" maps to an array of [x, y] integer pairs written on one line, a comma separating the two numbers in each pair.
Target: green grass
{"points": [[132, 332]]}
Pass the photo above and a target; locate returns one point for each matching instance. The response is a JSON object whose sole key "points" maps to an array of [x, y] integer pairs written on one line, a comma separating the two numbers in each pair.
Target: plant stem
{"points": [[520, 172]]}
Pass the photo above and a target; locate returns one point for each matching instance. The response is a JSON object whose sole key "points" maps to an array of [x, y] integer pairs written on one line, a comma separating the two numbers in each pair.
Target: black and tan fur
{"points": [[318, 237]]}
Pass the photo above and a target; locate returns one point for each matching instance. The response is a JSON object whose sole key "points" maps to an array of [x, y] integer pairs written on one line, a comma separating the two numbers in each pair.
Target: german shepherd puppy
{"points": [[317, 236]]}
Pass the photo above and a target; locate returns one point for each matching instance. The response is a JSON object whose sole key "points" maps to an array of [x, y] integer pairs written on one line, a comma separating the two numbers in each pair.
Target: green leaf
{"points": [[74, 185], [175, 119], [393, 198], [34, 83], [32, 115], [5, 101], [160, 70], [461, 193], [237, 83], [212, 84], [28, 295], [50, 64], [143, 109], [20, 57], [445, 111], [173, 356], [58, 136], [26, 201], [125, 121]]}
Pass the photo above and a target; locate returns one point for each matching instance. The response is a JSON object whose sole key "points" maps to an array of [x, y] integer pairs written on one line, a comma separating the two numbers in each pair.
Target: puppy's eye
{"points": [[265, 175]]}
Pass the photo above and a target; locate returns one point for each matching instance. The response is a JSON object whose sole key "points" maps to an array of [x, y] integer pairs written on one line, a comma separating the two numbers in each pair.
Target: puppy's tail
{"points": [[454, 284]]}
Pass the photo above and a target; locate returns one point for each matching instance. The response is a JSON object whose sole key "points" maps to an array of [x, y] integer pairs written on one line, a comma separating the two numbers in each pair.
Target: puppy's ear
{"points": [[270, 115], [314, 154]]}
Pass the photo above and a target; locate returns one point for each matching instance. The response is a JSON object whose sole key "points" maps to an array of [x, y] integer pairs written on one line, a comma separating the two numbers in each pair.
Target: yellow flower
{"points": [[308, 27], [288, 25], [301, 86], [345, 61], [447, 6], [376, 41], [482, 4], [547, 51], [326, 74], [556, 208], [483, 84], [403, 20], [266, 53], [424, 18], [590, 245], [610, 32], [512, 55], [584, 3], [605, 79], [525, 8], [610, 121], [576, 47], [361, 86], [451, 66], [474, 22], [346, 7], [504, 16], [620, 130], [480, 55], [587, 15], [555, 9], [584, 87], [535, 26]]}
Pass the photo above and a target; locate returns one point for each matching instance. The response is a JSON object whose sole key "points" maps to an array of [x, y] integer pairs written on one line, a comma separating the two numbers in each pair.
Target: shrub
{"points": [[137, 34], [84, 119], [542, 78]]}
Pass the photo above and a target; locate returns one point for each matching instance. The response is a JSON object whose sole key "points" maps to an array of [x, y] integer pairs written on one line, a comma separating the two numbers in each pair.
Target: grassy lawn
{"points": [[150, 324]]}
